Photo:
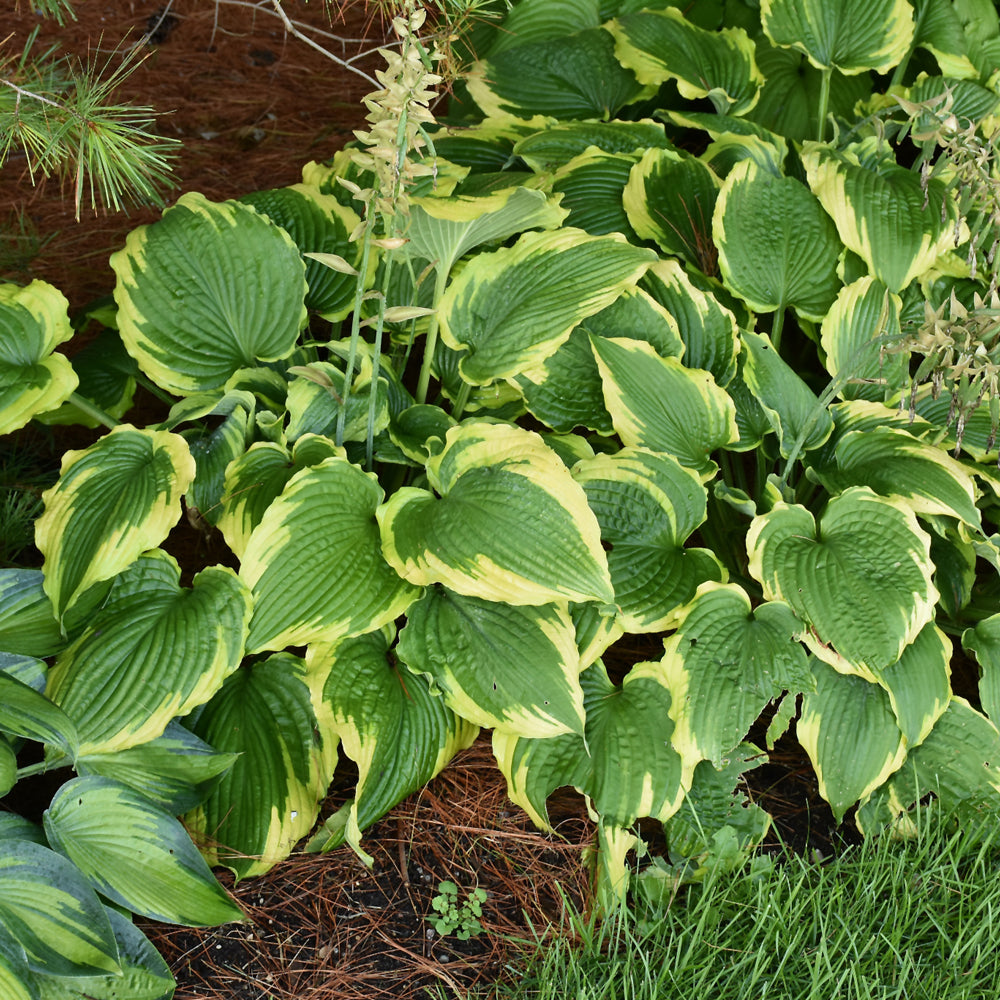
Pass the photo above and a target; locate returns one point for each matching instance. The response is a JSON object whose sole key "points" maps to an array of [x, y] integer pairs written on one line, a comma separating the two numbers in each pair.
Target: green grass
{"points": [[918, 920]]}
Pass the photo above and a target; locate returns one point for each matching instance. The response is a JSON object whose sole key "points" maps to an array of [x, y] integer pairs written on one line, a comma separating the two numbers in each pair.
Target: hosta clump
{"points": [[690, 414]]}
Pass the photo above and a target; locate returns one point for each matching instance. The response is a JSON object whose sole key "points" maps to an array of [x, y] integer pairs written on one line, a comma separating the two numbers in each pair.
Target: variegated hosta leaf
{"points": [[113, 500], [777, 247], [567, 391], [590, 188], [135, 854], [848, 729], [707, 328], [594, 631], [509, 310], [850, 35], [155, 651], [15, 976], [314, 402], [648, 504], [724, 664], [269, 799], [983, 642], [509, 523], [51, 910], [883, 212], [626, 766], [894, 463], [560, 142], [208, 289], [27, 624], [795, 414], [390, 723], [669, 199], [318, 223], [863, 312], [570, 77], [662, 45], [860, 579], [957, 764], [660, 404], [315, 565], [515, 669], [25, 712], [33, 322]]}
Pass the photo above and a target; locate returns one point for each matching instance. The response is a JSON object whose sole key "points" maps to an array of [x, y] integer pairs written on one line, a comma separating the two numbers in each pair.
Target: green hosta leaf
{"points": [[631, 769], [724, 664], [270, 797], [669, 199], [984, 642], [662, 45], [33, 321], [113, 500], [848, 729], [25, 712], [135, 854], [777, 247], [27, 624], [509, 524], [8, 766], [154, 652], [881, 210], [864, 313], [860, 579], [208, 289], [570, 77], [390, 723], [53, 913], [515, 669], [510, 310], [851, 35], [538, 20], [647, 505], [940, 31], [708, 329], [16, 980], [894, 463], [957, 763], [795, 414], [660, 404], [318, 223], [591, 186], [314, 402], [315, 564], [560, 142], [175, 771]]}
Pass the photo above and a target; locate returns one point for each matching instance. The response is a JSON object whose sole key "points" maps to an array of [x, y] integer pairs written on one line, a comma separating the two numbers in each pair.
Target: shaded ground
{"points": [[252, 106]]}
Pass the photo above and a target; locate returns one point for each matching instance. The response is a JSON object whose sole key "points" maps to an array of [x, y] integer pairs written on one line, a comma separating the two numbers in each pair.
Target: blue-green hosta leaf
{"points": [[848, 729], [27, 624], [724, 664], [663, 45], [16, 980], [896, 464], [390, 723], [861, 580], [795, 414], [509, 310], [567, 391], [314, 562], [135, 854], [515, 669], [509, 522], [33, 322], [155, 651], [53, 913], [560, 142], [863, 313], [660, 404], [648, 504], [269, 799], [113, 500], [669, 199], [708, 329], [984, 642], [175, 770], [957, 763], [591, 186], [881, 210], [777, 247], [25, 712], [752, 420], [570, 77], [318, 223], [851, 35], [208, 289]]}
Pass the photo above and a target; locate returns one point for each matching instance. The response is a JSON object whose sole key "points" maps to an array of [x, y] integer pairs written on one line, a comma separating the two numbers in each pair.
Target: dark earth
{"points": [[252, 105]]}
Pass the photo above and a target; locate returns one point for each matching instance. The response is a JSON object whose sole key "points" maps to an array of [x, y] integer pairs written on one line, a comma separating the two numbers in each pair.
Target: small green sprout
{"points": [[462, 919]]}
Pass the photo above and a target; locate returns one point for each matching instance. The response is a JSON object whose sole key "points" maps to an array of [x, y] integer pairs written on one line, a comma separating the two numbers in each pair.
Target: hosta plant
{"points": [[679, 326]]}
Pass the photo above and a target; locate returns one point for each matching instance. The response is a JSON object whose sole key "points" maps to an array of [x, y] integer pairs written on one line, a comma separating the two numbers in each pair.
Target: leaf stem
{"points": [[824, 101], [92, 411], [430, 342]]}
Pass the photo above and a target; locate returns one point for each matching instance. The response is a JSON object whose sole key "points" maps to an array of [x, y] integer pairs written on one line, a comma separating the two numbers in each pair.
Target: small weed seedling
{"points": [[462, 919]]}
